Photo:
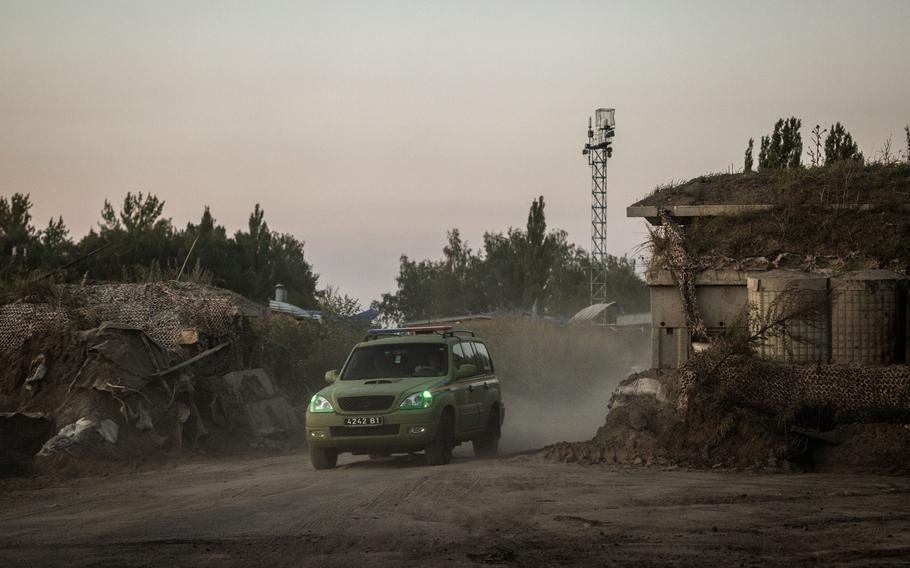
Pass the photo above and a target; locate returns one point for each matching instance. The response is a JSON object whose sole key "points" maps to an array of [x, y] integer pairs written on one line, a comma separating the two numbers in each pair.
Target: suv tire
{"points": [[439, 451], [487, 445], [323, 458]]}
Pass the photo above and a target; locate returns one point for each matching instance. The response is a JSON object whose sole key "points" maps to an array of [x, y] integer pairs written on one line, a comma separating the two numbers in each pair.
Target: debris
{"points": [[37, 372], [188, 337], [144, 422], [251, 401], [119, 358], [80, 432], [191, 360], [147, 361], [638, 386], [816, 434], [587, 523], [108, 430], [183, 416], [496, 555]]}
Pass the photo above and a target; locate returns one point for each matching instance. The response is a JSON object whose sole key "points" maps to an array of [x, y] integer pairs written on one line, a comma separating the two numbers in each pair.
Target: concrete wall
{"points": [[722, 298]]}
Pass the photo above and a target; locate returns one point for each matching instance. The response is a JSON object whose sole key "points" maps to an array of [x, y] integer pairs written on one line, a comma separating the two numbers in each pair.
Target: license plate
{"points": [[363, 421]]}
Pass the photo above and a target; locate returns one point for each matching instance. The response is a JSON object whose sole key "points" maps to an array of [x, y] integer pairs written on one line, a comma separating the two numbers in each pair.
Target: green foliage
{"points": [[840, 146], [297, 353], [784, 148], [15, 221], [747, 163], [32, 288], [141, 245], [515, 271], [34, 249], [334, 304]]}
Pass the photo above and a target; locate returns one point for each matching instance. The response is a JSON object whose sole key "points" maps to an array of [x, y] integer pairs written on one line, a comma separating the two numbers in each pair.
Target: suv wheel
{"points": [[439, 451], [323, 458], [487, 445]]}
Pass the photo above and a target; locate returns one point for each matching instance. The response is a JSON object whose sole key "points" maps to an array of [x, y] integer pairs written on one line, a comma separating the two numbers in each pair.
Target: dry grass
{"points": [[842, 183]]}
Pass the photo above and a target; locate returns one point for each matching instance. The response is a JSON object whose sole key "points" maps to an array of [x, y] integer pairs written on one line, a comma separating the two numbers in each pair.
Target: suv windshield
{"points": [[397, 361]]}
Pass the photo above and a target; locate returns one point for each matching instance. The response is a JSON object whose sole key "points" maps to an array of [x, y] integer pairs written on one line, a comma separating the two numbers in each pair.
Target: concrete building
{"points": [[863, 315]]}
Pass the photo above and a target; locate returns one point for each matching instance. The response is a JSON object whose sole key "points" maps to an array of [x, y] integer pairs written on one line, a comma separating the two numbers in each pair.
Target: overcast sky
{"points": [[368, 129]]}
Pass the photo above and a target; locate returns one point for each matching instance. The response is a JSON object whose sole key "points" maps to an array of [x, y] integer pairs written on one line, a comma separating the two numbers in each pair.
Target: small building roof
{"points": [[590, 313], [295, 311]]}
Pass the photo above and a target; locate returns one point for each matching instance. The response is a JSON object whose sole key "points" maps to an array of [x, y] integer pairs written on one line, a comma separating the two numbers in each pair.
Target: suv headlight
{"points": [[421, 399], [320, 404]]}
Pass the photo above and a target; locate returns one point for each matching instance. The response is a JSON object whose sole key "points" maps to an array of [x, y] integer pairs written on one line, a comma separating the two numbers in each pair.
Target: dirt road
{"points": [[512, 511]]}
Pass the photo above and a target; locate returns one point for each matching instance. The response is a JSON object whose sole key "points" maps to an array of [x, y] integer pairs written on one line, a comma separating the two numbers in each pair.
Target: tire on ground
{"points": [[487, 445], [323, 458], [439, 450]]}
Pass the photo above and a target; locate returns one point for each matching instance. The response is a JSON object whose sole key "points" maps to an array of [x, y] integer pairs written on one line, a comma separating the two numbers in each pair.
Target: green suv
{"points": [[408, 390]]}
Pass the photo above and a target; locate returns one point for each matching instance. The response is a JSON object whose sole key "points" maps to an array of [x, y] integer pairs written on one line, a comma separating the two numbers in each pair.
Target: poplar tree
{"points": [[840, 146], [747, 164]]}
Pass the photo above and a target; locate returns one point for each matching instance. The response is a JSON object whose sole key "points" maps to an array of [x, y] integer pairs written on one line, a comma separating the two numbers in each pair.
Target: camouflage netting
{"points": [[852, 393], [684, 270], [162, 310], [19, 322]]}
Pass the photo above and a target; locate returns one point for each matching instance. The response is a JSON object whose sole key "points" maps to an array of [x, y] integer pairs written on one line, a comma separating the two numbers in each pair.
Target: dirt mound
{"points": [[875, 448], [112, 395], [645, 427], [693, 420]]}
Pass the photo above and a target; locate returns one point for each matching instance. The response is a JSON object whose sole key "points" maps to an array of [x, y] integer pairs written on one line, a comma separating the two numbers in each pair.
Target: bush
{"points": [[297, 353]]}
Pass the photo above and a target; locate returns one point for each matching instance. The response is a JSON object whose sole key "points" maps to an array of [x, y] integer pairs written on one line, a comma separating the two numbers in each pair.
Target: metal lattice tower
{"points": [[598, 150]]}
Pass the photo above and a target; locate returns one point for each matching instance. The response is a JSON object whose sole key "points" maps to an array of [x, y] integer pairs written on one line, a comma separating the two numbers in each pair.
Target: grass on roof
{"points": [[843, 183]]}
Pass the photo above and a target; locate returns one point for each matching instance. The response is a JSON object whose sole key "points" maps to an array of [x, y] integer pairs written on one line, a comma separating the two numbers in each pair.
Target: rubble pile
{"points": [[120, 392]]}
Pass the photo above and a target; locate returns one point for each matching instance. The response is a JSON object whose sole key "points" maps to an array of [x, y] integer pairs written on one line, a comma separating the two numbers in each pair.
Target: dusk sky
{"points": [[367, 129]]}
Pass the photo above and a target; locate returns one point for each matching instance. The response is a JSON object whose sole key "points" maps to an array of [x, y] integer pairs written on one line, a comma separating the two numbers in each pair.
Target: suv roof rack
{"points": [[456, 332], [377, 333]]}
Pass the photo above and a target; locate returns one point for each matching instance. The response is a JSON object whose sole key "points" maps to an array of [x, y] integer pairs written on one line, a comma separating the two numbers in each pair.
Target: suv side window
{"points": [[463, 353], [459, 357], [483, 357]]}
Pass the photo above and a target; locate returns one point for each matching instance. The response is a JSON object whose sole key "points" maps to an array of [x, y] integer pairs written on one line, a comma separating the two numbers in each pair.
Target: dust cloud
{"points": [[534, 422], [556, 381]]}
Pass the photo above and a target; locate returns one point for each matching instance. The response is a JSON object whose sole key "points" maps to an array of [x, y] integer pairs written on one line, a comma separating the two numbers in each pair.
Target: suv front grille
{"points": [[365, 403], [346, 431]]}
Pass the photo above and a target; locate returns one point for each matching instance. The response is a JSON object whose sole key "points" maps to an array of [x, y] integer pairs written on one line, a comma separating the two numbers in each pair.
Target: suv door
{"points": [[464, 390], [486, 387]]}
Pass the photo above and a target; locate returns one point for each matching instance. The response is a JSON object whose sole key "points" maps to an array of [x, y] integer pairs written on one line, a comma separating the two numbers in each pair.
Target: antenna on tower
{"points": [[598, 149]]}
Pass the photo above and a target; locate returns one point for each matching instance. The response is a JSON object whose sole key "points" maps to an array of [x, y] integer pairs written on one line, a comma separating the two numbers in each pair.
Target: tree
{"points": [[792, 143], [784, 148], [18, 240], [907, 133], [515, 272], [747, 163], [333, 303], [139, 241], [16, 222], [763, 153], [839, 146]]}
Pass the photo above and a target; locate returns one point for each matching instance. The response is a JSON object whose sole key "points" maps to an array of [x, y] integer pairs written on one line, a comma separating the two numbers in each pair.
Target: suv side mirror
{"points": [[466, 370], [331, 376]]}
